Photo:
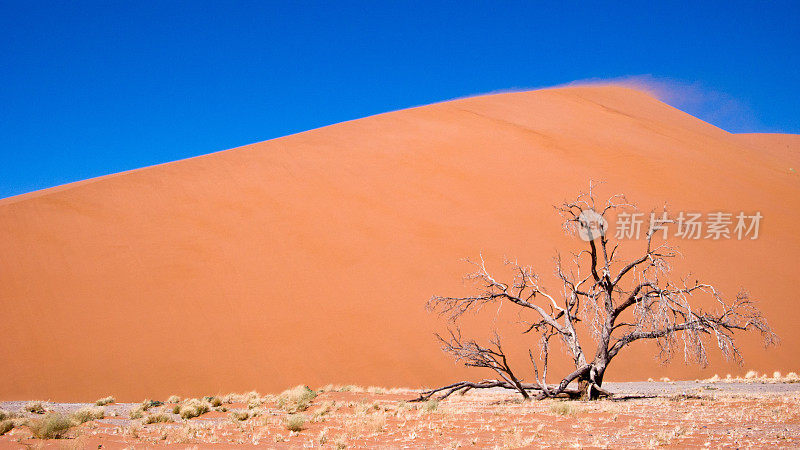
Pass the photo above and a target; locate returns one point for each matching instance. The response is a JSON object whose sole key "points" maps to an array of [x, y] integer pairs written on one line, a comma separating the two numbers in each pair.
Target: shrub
{"points": [[213, 401], [35, 407], [193, 408], [324, 409], [147, 404], [240, 415], [6, 426], [137, 413], [431, 405], [105, 401], [158, 418], [296, 399], [295, 422], [173, 399], [51, 426], [87, 414], [350, 388], [6, 414]]}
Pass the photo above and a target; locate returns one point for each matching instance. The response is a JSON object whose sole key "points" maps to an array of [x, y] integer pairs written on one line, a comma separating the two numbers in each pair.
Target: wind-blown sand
{"points": [[308, 259]]}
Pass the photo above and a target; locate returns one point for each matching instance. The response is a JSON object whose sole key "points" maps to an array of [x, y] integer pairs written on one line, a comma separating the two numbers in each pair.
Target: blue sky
{"points": [[91, 88]]}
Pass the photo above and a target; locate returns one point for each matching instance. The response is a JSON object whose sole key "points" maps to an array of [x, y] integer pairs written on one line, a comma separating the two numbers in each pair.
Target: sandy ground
{"points": [[675, 414], [310, 257]]}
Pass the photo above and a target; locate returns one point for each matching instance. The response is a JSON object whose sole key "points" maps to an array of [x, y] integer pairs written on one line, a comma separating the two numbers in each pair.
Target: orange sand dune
{"points": [[308, 259], [784, 147]]}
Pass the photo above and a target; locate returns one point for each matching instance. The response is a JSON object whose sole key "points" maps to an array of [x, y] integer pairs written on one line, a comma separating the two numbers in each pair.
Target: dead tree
{"points": [[620, 302]]}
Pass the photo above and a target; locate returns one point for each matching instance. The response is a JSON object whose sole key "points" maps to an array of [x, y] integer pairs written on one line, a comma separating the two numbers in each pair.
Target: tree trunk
{"points": [[589, 384]]}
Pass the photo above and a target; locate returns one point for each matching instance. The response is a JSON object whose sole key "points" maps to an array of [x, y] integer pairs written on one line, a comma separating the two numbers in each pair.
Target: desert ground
{"points": [[757, 412]]}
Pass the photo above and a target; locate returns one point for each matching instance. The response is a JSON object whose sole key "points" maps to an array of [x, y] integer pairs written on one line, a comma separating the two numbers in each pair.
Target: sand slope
{"points": [[309, 258]]}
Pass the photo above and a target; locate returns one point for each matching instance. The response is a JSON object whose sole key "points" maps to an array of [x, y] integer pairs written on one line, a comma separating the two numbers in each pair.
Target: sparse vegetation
{"points": [[51, 426], [105, 401], [295, 422], [240, 415], [137, 413], [323, 410], [563, 408], [147, 404], [35, 407], [88, 413], [214, 401], [431, 405], [372, 420], [296, 399], [349, 388], [173, 399], [193, 408], [158, 418], [6, 426]]}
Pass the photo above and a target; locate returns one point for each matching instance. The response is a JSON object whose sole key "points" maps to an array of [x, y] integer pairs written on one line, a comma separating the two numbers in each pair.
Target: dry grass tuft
{"points": [[137, 413], [246, 398], [431, 405], [295, 422], [173, 399], [88, 413], [159, 418], [51, 426], [350, 388], [193, 408], [147, 404], [365, 424], [564, 409], [35, 407], [214, 401], [240, 415], [296, 399], [364, 408], [105, 401], [323, 410], [6, 426]]}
